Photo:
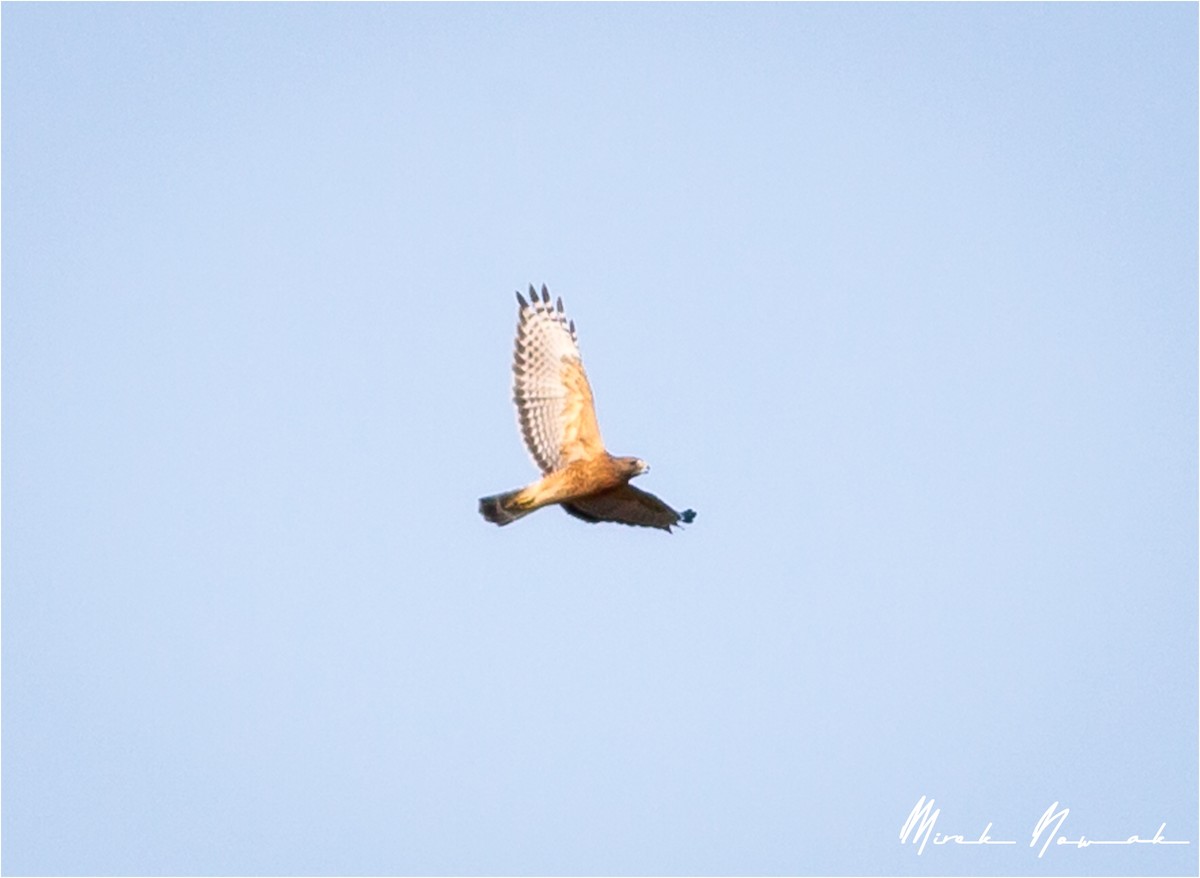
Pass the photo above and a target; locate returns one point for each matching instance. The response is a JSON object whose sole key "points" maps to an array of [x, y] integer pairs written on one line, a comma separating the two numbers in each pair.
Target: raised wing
{"points": [[550, 387], [628, 505]]}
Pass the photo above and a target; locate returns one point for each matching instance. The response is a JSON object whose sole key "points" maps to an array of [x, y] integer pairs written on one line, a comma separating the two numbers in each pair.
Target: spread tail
{"points": [[502, 509]]}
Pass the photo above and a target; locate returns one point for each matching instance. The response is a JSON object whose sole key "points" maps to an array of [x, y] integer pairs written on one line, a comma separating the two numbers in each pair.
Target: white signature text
{"points": [[920, 829]]}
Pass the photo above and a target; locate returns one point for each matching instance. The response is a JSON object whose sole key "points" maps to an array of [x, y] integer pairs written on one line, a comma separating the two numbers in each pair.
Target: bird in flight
{"points": [[558, 423]]}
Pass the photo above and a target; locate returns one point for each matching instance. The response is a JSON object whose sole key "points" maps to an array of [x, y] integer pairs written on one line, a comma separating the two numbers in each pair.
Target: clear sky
{"points": [[901, 299]]}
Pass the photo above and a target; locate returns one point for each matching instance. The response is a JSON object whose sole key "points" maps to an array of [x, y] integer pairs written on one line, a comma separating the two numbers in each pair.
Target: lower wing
{"points": [[628, 505]]}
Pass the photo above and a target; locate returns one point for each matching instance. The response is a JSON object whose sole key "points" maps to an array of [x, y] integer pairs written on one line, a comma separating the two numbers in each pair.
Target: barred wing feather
{"points": [[550, 387]]}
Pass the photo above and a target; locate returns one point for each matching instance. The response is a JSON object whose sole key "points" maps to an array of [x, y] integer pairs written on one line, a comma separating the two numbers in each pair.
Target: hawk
{"points": [[558, 423]]}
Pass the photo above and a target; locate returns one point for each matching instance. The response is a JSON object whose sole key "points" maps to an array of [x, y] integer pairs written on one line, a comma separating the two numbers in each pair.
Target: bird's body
{"points": [[558, 422], [576, 479]]}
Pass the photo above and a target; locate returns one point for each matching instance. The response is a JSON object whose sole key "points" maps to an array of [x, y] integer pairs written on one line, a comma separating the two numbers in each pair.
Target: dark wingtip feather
{"points": [[545, 294], [521, 300], [559, 305]]}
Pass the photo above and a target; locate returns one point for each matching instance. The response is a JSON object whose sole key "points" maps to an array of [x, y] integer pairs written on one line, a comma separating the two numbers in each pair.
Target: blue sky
{"points": [[901, 299]]}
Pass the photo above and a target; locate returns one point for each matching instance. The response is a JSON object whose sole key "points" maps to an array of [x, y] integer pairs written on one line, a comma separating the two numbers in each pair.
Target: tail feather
{"points": [[502, 509]]}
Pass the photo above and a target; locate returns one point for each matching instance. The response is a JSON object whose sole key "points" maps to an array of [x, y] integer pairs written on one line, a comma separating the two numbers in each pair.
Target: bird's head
{"points": [[633, 466]]}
